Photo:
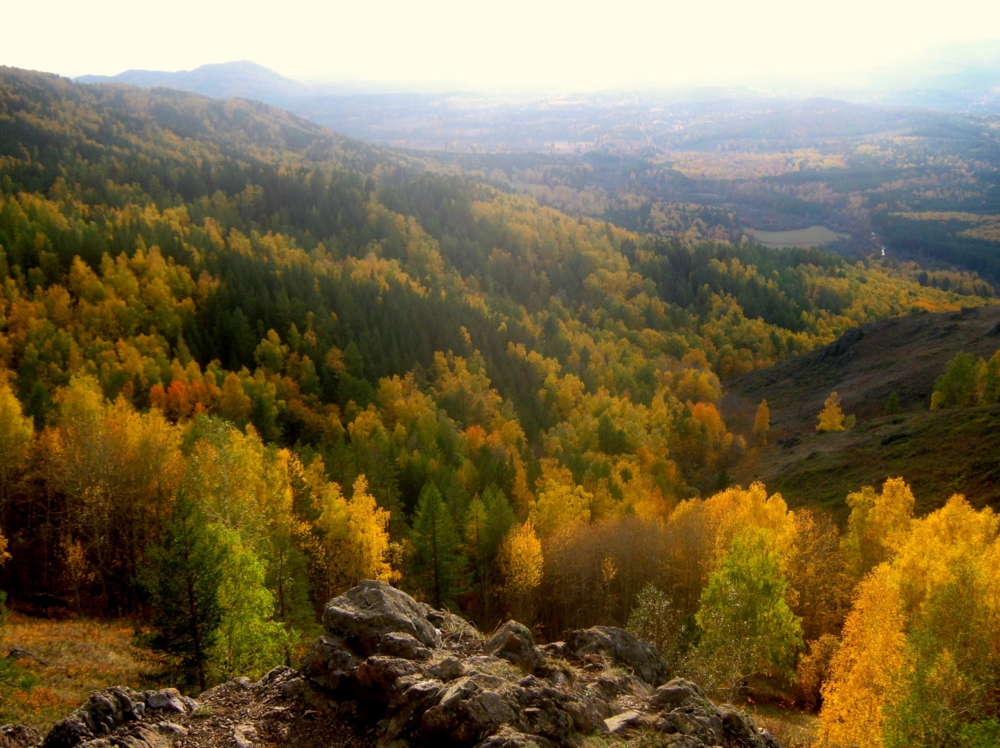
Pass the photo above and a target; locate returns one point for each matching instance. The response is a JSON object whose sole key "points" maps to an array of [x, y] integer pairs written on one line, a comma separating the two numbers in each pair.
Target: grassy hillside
{"points": [[940, 452]]}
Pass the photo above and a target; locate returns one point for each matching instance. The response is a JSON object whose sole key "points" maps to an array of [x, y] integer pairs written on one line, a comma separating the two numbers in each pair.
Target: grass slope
{"points": [[938, 452]]}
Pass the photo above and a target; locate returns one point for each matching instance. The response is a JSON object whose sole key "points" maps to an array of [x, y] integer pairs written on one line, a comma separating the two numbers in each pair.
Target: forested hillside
{"points": [[247, 362]]}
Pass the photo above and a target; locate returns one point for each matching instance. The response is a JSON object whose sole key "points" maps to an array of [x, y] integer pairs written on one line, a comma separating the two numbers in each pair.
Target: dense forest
{"points": [[245, 363]]}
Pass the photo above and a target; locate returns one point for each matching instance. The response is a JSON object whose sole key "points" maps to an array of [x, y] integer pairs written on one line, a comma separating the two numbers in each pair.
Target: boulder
{"points": [[622, 648], [328, 663], [513, 642], [366, 613], [19, 736], [398, 644], [116, 710]]}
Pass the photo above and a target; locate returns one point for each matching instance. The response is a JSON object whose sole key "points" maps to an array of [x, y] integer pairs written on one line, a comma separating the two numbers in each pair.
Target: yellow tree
{"points": [[762, 423], [15, 438], [831, 418], [521, 561], [878, 524], [865, 670]]}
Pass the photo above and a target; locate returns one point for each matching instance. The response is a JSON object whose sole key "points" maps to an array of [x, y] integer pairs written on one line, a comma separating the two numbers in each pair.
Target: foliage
{"points": [[654, 619], [831, 418], [438, 560], [521, 562], [762, 423], [746, 626]]}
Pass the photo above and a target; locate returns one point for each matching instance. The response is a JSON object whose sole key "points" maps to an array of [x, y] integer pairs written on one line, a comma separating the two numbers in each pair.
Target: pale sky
{"points": [[510, 43]]}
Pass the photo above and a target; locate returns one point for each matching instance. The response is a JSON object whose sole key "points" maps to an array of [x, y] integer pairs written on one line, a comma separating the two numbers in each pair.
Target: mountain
{"points": [[243, 79]]}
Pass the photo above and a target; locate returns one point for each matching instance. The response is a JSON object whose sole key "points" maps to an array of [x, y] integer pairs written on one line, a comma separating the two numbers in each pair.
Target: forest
{"points": [[246, 362]]}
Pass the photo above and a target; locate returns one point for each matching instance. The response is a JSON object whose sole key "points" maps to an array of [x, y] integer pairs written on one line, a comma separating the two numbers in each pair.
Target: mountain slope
{"points": [[939, 452]]}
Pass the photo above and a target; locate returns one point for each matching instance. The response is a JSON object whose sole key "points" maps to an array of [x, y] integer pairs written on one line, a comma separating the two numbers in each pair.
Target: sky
{"points": [[509, 44]]}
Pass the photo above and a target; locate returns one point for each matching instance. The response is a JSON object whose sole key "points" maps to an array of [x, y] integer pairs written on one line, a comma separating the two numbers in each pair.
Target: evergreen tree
{"points": [[438, 558], [183, 579], [892, 404]]}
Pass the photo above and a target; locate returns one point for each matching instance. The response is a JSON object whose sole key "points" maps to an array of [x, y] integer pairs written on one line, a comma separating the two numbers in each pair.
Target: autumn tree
{"points": [[16, 431], [877, 525], [762, 423], [438, 559], [521, 562], [488, 520], [864, 673], [831, 418], [747, 627]]}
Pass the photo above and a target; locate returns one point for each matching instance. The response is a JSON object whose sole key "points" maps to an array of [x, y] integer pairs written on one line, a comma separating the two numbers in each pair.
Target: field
{"points": [[814, 236], [78, 656]]}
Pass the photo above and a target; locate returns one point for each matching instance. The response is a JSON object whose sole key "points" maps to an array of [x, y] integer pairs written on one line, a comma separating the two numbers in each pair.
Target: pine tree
{"points": [[438, 558], [183, 579], [762, 423], [831, 418], [892, 404]]}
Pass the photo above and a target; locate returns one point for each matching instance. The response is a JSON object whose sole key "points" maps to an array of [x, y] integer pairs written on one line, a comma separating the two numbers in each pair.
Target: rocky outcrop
{"points": [[19, 736], [392, 673], [621, 648]]}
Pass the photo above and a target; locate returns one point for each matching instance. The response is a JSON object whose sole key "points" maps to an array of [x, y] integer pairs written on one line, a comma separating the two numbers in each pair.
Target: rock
{"points": [[100, 715], [512, 739], [676, 693], [169, 699], [364, 614], [622, 648], [514, 643], [623, 721], [385, 678], [398, 644], [469, 710], [19, 736], [22, 654], [244, 735], [447, 669], [328, 663]]}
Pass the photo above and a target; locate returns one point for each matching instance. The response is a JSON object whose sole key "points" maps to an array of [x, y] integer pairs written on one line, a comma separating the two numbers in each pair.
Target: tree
{"points": [[892, 404], [878, 524], [234, 404], [864, 673], [957, 386], [831, 418], [747, 627], [654, 619], [762, 423], [521, 564], [249, 642], [182, 578], [437, 558], [16, 431]]}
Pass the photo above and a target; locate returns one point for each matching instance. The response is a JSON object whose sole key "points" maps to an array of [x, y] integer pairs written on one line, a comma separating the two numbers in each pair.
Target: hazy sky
{"points": [[508, 43]]}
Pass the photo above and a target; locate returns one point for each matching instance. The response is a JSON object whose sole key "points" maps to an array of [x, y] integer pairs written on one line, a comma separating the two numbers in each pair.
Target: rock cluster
{"points": [[441, 685], [393, 673]]}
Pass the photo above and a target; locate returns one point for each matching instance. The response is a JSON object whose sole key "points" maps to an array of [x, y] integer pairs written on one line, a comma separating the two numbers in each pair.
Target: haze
{"points": [[516, 44]]}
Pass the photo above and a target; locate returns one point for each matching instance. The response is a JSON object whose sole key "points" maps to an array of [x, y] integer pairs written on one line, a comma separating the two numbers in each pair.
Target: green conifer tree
{"points": [[438, 558], [183, 579]]}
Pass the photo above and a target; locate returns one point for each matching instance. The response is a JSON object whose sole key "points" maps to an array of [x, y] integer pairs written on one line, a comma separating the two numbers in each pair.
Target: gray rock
{"points": [[398, 644], [169, 699], [364, 614], [621, 647], [676, 693], [513, 642], [328, 663], [623, 721], [19, 736], [103, 712], [469, 710], [447, 669]]}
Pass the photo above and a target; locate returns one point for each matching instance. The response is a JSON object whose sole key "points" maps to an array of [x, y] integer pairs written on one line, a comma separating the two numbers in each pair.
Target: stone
{"points": [[169, 699], [623, 721], [364, 614], [328, 663], [399, 644], [676, 693], [19, 736], [622, 648], [513, 642], [447, 669]]}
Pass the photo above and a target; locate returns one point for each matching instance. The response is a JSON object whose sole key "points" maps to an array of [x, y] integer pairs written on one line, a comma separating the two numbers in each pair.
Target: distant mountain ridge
{"points": [[228, 80]]}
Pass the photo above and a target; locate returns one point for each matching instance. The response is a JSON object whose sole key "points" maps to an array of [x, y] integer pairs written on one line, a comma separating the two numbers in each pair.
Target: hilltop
{"points": [[939, 452]]}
